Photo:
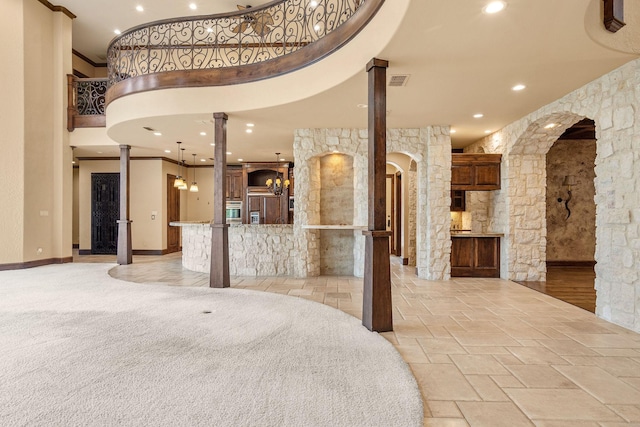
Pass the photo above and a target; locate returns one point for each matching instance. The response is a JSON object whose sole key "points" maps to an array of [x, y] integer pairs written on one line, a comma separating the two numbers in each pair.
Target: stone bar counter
{"points": [[254, 250]]}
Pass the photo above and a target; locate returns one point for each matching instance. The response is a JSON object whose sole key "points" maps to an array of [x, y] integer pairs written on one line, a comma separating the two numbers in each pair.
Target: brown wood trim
{"points": [[150, 251], [75, 246], [253, 72], [571, 263], [58, 9], [405, 261], [36, 263], [88, 60], [84, 251], [164, 159], [466, 158], [89, 121]]}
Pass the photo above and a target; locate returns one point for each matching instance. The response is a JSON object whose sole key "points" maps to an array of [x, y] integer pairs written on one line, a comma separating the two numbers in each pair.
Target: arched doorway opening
{"points": [[569, 229]]}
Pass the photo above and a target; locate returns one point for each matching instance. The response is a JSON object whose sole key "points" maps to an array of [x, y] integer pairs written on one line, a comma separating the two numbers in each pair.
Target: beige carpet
{"points": [[81, 348]]}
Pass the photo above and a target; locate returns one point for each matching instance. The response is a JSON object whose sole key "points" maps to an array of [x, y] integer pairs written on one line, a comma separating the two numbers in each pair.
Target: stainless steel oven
{"points": [[234, 212]]}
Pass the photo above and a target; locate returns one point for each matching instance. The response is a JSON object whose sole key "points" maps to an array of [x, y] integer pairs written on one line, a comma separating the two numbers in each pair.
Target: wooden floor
{"points": [[574, 285]]}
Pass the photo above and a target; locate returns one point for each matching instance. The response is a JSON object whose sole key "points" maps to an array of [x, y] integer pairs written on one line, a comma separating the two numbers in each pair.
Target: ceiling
{"points": [[461, 62]]}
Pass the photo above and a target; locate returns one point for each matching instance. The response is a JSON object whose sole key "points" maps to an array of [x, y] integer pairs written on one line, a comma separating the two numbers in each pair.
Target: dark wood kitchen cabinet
{"points": [[475, 172], [475, 256], [235, 189], [458, 201]]}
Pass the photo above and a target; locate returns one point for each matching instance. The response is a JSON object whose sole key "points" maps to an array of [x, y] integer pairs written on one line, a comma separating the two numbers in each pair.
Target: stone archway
{"points": [[526, 196]]}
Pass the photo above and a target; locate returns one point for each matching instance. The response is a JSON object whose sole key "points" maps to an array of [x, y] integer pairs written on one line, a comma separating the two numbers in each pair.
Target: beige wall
{"points": [[87, 69], [200, 204], [36, 214], [12, 82]]}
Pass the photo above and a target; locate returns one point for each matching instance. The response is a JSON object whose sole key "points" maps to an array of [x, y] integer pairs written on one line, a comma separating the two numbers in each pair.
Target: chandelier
{"points": [[277, 185], [194, 184], [179, 182]]}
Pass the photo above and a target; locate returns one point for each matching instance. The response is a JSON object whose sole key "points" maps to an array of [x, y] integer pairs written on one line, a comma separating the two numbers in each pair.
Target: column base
{"points": [[124, 256], [376, 307], [219, 273]]}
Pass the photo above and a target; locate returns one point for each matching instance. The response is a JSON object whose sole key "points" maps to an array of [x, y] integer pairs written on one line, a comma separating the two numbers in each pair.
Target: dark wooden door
{"points": [[105, 212], [397, 249], [173, 214]]}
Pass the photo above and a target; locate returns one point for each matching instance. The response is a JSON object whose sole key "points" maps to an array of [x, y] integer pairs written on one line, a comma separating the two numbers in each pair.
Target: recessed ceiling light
{"points": [[240, 160], [99, 152], [282, 159], [518, 87], [212, 144], [487, 131], [551, 125], [453, 131], [193, 6], [203, 160], [229, 153], [203, 134], [249, 131], [139, 8], [157, 133], [73, 162], [362, 105], [167, 151], [478, 116], [494, 7], [117, 32], [250, 125]]}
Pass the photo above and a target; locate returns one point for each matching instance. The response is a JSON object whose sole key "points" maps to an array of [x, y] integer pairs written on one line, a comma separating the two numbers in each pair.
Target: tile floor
{"points": [[485, 352]]}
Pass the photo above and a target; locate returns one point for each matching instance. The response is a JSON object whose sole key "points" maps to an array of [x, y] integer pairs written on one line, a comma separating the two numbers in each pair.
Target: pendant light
{"points": [[278, 184], [178, 181], [194, 184], [183, 184]]}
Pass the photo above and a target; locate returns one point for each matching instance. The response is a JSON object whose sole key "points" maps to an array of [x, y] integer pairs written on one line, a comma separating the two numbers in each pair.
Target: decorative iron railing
{"points": [[91, 92], [86, 103], [246, 37]]}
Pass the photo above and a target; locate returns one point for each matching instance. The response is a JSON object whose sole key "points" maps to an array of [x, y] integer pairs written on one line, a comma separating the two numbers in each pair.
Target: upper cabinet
{"points": [[235, 189], [475, 172]]}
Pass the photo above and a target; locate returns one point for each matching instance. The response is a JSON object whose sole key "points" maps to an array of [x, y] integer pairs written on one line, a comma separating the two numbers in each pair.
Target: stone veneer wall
{"points": [[518, 210], [572, 238], [429, 147], [254, 250]]}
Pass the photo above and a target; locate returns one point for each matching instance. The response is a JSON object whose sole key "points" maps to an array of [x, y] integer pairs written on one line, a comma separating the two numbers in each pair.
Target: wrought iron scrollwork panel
{"points": [[251, 36], [90, 99]]}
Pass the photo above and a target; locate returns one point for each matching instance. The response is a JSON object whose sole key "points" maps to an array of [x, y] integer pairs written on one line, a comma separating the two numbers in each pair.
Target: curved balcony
{"points": [[239, 47]]}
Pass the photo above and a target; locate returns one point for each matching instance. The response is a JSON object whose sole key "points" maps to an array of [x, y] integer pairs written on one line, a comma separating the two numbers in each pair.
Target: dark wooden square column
{"points": [[376, 308], [219, 273], [124, 254]]}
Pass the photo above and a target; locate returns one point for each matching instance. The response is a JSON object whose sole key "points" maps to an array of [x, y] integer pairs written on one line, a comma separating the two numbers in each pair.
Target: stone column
{"points": [[219, 273], [124, 224], [376, 307]]}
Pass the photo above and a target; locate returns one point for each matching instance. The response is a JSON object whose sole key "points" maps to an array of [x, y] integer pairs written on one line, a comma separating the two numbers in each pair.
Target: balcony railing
{"points": [[86, 102], [237, 47]]}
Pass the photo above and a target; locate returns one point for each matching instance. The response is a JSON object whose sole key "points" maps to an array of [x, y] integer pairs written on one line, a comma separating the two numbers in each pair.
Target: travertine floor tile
{"points": [[444, 409], [493, 414], [601, 384], [478, 364], [628, 412], [441, 345], [536, 356], [443, 382], [560, 404], [445, 422], [540, 376], [488, 390]]}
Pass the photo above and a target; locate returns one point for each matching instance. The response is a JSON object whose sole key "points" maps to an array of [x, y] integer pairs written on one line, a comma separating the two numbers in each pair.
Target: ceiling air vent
{"points": [[398, 80], [147, 128]]}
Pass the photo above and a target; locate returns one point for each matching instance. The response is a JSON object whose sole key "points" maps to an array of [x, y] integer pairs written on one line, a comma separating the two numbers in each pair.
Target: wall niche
{"points": [[336, 208]]}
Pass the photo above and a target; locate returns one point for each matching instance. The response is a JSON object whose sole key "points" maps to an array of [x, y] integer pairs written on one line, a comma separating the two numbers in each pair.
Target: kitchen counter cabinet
{"points": [[475, 172], [475, 255]]}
